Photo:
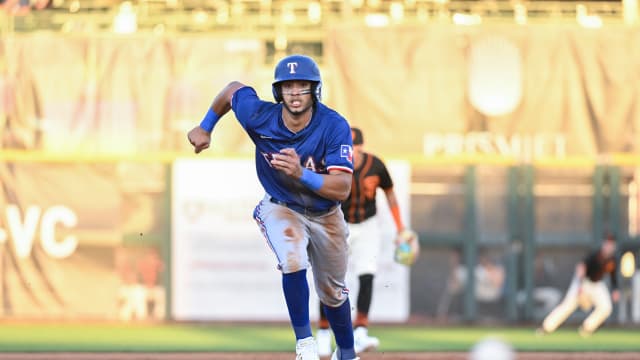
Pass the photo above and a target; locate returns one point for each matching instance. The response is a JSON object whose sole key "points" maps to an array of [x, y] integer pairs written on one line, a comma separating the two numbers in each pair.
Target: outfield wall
{"points": [[92, 239]]}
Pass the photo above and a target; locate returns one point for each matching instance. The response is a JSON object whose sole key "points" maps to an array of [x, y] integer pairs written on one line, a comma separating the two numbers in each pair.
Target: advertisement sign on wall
{"points": [[222, 267], [63, 247]]}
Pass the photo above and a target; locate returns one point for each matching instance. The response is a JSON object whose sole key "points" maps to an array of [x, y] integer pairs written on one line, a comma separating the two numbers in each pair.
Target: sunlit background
{"points": [[511, 128]]}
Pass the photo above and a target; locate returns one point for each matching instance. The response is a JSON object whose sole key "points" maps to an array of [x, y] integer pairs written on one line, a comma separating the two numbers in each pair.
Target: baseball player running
{"points": [[588, 290], [360, 212], [304, 162]]}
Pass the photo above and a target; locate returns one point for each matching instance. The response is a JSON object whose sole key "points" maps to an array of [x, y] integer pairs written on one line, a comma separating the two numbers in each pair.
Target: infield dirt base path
{"points": [[290, 356]]}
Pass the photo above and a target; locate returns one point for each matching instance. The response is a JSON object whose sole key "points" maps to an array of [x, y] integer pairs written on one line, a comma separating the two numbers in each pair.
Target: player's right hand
{"points": [[615, 295], [199, 138], [287, 161]]}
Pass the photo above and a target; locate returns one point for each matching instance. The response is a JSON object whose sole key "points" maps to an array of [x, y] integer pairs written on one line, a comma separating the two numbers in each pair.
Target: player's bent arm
{"points": [[200, 136], [336, 185], [222, 103], [392, 201]]}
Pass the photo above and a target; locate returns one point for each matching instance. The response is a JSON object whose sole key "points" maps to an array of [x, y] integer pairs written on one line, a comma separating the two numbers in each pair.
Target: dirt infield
{"points": [[290, 356]]}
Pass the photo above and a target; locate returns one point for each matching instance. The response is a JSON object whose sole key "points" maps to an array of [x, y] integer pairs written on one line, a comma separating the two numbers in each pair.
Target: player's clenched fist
{"points": [[199, 138], [287, 161]]}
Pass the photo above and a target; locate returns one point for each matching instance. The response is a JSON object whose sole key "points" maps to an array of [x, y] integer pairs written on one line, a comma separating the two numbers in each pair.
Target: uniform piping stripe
{"points": [[342, 168], [263, 229]]}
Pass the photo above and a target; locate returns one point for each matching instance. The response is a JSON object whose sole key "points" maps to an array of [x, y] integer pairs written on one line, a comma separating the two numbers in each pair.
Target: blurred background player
{"points": [[304, 162], [588, 290], [370, 173]]}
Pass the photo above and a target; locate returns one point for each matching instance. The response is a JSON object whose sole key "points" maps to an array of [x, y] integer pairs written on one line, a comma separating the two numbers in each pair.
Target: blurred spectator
{"points": [[131, 297], [545, 297], [141, 295], [23, 7], [150, 266], [489, 281]]}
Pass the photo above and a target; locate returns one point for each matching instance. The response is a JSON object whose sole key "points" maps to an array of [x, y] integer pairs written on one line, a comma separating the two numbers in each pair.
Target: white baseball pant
{"points": [[587, 295]]}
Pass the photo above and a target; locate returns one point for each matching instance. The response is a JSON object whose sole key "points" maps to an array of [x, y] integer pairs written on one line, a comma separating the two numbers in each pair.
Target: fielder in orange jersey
{"points": [[588, 290], [369, 174]]}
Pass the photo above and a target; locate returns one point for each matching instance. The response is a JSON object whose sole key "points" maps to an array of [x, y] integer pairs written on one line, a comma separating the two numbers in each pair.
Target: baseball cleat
{"points": [[335, 356], [363, 342], [584, 333], [307, 349], [323, 338], [540, 332]]}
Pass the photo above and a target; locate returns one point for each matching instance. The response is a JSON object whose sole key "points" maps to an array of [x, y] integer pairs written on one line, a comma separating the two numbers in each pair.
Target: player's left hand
{"points": [[287, 161], [581, 269], [407, 247]]}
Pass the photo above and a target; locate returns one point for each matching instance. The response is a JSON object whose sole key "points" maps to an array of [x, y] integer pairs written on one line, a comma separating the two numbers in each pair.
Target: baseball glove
{"points": [[407, 247]]}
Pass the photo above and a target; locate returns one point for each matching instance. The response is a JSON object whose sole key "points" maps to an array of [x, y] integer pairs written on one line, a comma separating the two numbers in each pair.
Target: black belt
{"points": [[301, 209]]}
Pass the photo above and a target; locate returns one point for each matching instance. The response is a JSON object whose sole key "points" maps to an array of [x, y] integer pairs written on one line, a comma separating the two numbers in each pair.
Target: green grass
{"points": [[266, 338]]}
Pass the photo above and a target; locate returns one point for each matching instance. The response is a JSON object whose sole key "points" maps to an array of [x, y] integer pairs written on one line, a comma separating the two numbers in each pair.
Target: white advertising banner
{"points": [[222, 268]]}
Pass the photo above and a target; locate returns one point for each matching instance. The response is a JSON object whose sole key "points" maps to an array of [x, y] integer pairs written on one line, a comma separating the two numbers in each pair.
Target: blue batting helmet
{"points": [[297, 67]]}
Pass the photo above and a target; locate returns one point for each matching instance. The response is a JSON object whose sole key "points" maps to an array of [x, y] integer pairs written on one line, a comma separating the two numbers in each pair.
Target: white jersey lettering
{"points": [[310, 164]]}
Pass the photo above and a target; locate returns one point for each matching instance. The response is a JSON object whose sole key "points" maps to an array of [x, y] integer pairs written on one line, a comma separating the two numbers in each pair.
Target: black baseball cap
{"points": [[356, 134]]}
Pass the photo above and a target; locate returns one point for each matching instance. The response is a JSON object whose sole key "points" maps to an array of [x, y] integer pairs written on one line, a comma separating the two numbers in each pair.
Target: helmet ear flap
{"points": [[317, 91], [276, 89]]}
